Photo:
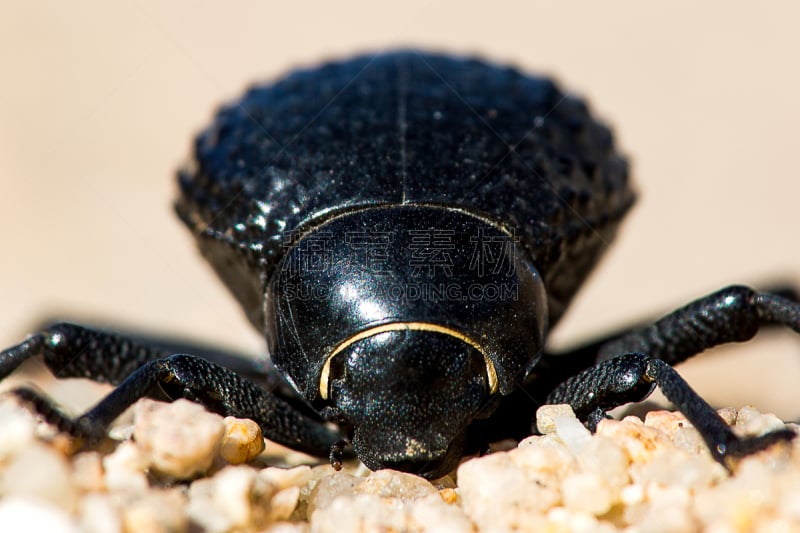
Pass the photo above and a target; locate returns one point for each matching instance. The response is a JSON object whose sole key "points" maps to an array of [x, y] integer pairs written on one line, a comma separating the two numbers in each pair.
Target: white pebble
{"points": [[39, 472], [21, 515], [586, 492], [178, 439], [432, 514], [227, 500], [98, 515], [498, 494], [689, 440], [544, 455], [750, 421], [18, 428], [605, 458], [788, 503], [360, 513], [156, 512], [573, 433], [242, 440], [87, 472], [668, 495], [739, 500], [666, 421], [640, 443], [666, 519], [560, 519], [394, 484], [124, 469], [330, 487], [679, 469], [728, 414], [632, 494], [546, 417], [283, 504], [384, 500], [669, 511], [284, 478]]}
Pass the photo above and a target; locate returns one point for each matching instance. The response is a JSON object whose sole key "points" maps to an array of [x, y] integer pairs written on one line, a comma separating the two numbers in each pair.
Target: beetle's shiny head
{"points": [[409, 391], [406, 322]]}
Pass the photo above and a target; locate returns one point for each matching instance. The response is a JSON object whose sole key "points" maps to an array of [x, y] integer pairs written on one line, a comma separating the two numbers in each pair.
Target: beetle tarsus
{"points": [[722, 442], [729, 453], [336, 455], [78, 428]]}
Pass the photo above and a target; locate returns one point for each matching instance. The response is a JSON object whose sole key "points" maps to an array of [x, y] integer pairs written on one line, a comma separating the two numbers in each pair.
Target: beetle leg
{"points": [[337, 453], [215, 387], [75, 351], [632, 377], [72, 350], [733, 314], [583, 356]]}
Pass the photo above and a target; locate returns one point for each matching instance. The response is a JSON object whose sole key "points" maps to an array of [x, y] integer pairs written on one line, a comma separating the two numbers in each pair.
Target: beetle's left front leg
{"points": [[733, 314], [631, 378]]}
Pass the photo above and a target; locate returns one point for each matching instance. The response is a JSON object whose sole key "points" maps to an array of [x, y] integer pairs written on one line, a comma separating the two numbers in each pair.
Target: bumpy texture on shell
{"points": [[398, 128]]}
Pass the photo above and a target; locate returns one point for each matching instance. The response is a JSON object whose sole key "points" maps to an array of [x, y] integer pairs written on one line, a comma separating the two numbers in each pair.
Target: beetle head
{"points": [[408, 395], [406, 357]]}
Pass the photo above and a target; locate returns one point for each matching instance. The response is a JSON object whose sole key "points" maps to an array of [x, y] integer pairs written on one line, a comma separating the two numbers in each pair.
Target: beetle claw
{"points": [[337, 454]]}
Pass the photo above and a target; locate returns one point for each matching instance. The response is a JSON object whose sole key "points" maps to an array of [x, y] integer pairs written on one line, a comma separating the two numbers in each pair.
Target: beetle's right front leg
{"points": [[75, 351]]}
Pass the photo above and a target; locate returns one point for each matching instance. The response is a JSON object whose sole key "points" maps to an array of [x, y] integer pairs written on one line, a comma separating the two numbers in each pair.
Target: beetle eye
{"points": [[337, 370], [332, 370]]}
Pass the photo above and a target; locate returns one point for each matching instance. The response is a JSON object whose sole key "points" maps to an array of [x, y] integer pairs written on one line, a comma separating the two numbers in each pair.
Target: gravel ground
{"points": [[176, 467]]}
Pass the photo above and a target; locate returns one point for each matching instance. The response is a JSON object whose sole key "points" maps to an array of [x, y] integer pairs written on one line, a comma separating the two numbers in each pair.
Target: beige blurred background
{"points": [[99, 101]]}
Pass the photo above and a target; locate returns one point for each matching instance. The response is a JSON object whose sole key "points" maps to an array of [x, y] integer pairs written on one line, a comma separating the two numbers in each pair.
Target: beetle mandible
{"points": [[405, 228]]}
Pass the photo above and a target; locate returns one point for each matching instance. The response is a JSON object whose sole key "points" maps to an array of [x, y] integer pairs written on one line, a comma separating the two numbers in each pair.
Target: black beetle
{"points": [[405, 228]]}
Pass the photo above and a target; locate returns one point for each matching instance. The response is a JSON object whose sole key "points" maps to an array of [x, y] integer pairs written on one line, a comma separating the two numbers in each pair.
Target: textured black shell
{"points": [[404, 127]]}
